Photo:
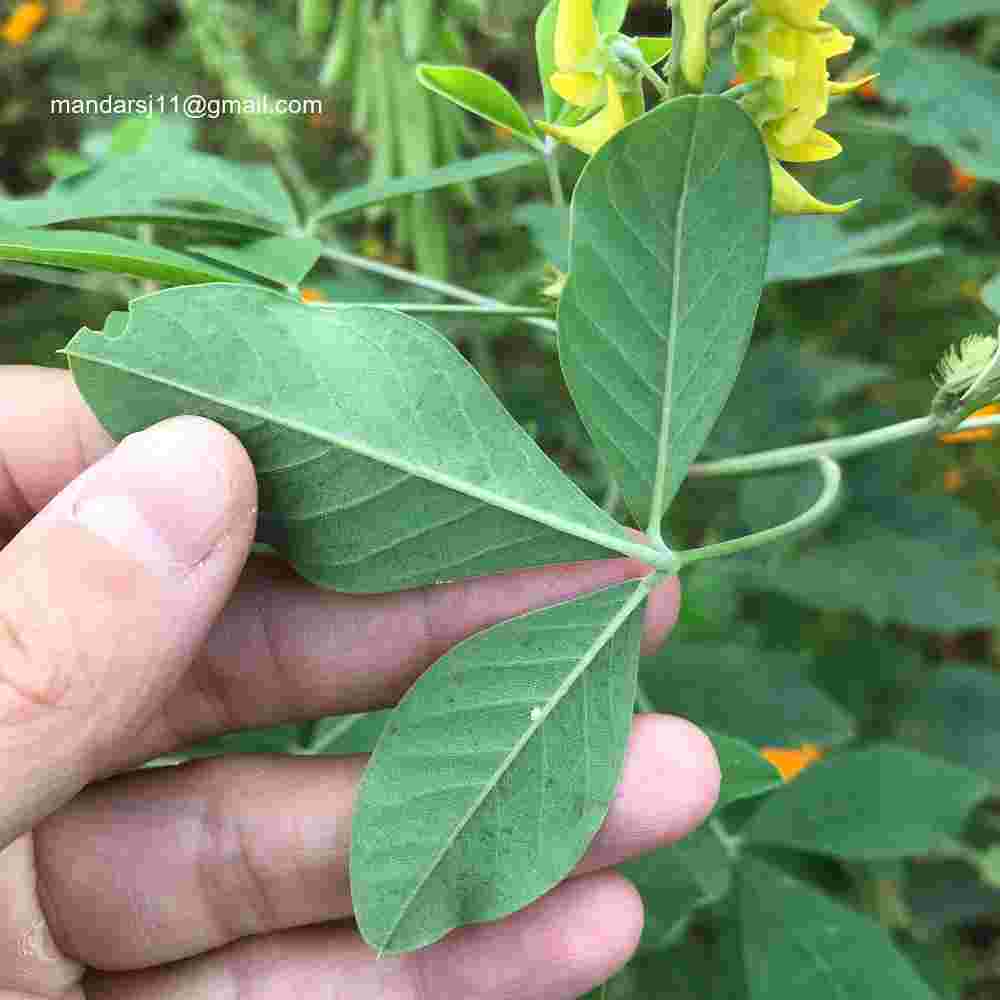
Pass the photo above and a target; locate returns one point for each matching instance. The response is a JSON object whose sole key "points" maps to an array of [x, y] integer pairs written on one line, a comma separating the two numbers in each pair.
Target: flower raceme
{"points": [[785, 46], [592, 76]]}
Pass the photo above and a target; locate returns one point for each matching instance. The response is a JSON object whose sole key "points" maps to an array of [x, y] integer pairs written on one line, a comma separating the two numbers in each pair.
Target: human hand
{"points": [[131, 624]]}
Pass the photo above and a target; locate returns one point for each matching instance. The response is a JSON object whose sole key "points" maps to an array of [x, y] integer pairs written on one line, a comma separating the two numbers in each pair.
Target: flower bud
{"points": [[967, 377]]}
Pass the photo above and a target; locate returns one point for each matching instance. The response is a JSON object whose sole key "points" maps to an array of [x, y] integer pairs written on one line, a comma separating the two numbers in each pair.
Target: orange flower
{"points": [[977, 433], [954, 480], [961, 182], [790, 761], [313, 295], [23, 22]]}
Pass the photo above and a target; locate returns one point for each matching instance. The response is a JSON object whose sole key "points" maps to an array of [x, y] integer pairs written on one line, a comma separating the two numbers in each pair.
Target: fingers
{"points": [[284, 651], [48, 436], [556, 949], [105, 597], [161, 865]]}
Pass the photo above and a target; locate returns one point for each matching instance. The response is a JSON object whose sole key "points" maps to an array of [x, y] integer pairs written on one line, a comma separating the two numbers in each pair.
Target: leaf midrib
{"points": [[658, 504]]}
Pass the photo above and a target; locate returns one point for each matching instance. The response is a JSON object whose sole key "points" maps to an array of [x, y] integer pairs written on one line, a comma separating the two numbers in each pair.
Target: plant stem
{"points": [[727, 11], [429, 284], [550, 154], [832, 477], [655, 79], [643, 701], [842, 447], [434, 307]]}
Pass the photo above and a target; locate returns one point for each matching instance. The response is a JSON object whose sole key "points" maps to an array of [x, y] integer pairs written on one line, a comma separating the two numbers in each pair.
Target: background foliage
{"points": [[873, 640]]}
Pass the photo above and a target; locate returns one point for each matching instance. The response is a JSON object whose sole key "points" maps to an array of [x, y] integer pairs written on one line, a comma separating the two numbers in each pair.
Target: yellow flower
{"points": [[800, 13], [785, 46], [23, 23], [587, 77], [595, 132], [792, 761]]}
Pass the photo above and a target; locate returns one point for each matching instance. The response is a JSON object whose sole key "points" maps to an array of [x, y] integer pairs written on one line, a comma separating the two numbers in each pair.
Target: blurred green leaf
{"points": [[943, 894], [161, 183], [931, 14], [549, 230], [459, 172], [859, 16], [805, 248], [86, 251], [956, 716], [758, 695], [920, 561], [952, 102], [279, 258], [876, 803], [675, 881], [798, 942]]}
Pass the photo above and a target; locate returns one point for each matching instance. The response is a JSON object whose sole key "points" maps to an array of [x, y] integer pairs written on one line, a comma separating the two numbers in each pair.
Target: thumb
{"points": [[105, 597]]}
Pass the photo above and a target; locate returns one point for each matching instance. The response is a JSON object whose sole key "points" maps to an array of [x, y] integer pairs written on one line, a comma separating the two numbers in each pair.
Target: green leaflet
{"points": [[86, 251], [880, 802], [156, 183], [279, 258], [745, 773], [798, 942], [481, 94], [382, 458], [932, 14], [951, 103], [669, 243], [676, 880], [496, 770], [759, 695], [459, 172]]}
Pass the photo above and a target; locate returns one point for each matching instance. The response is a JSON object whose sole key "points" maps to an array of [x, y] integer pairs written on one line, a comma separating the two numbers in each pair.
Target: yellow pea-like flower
{"points": [[800, 13], [577, 33], [595, 132], [789, 197]]}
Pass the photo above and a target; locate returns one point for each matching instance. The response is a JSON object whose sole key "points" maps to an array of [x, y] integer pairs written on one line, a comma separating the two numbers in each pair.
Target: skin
{"points": [[133, 624]]}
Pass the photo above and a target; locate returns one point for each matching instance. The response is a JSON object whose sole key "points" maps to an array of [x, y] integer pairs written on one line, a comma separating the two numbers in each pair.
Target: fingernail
{"points": [[168, 495]]}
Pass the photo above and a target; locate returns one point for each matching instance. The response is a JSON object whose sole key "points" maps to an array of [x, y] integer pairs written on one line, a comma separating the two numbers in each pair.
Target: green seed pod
{"points": [[416, 23], [345, 46], [315, 18]]}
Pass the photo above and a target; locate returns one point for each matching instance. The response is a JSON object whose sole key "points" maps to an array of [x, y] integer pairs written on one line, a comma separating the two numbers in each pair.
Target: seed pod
{"points": [[416, 21], [315, 18], [345, 46]]}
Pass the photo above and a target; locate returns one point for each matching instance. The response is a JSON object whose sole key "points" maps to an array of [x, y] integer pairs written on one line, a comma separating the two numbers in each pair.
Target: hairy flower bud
{"points": [[967, 377]]}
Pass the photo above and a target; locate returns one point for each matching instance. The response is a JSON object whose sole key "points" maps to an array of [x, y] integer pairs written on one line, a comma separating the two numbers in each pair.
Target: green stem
{"points": [[444, 288], [731, 842], [434, 307], [832, 477], [799, 454], [727, 11], [550, 154], [655, 79]]}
